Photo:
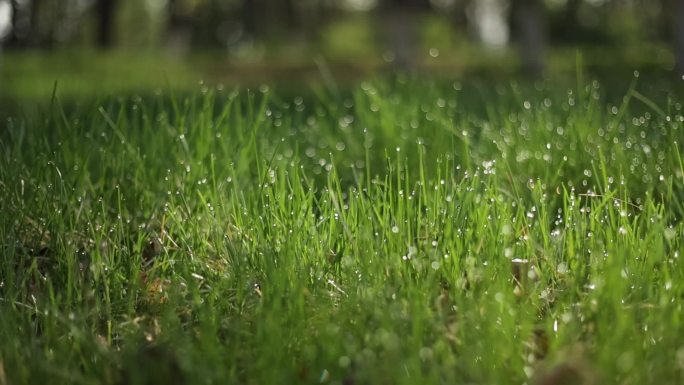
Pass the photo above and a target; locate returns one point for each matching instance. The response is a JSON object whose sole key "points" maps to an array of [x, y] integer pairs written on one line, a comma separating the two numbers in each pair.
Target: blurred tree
{"points": [[6, 25], [312, 15], [676, 15], [291, 14], [205, 18], [14, 14], [564, 26], [34, 30], [243, 26], [179, 27], [25, 31], [528, 24], [398, 20], [106, 12], [250, 15], [270, 17], [15, 22], [459, 9], [490, 21]]}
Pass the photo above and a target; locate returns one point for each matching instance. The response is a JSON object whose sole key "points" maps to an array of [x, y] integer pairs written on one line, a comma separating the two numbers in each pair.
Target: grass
{"points": [[29, 76], [406, 232]]}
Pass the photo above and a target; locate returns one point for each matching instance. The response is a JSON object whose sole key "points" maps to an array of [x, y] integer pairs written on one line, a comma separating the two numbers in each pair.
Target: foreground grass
{"points": [[403, 234]]}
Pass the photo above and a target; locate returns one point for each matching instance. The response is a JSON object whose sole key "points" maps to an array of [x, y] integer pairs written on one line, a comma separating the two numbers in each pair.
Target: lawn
{"points": [[404, 231]]}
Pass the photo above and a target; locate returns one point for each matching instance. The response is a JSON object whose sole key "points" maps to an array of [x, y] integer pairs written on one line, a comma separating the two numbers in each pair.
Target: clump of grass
{"points": [[403, 233]]}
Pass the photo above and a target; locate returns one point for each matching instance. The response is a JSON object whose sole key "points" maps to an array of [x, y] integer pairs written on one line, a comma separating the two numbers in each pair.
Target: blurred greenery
{"points": [[261, 36], [25, 77]]}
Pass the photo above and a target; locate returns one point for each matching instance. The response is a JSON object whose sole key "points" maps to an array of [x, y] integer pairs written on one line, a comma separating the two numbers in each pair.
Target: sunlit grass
{"points": [[405, 233]]}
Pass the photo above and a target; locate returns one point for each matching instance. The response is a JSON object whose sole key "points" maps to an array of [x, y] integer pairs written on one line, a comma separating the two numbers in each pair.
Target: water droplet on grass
{"points": [[344, 361], [425, 353], [626, 361], [680, 357], [324, 377], [566, 317], [529, 371], [669, 234]]}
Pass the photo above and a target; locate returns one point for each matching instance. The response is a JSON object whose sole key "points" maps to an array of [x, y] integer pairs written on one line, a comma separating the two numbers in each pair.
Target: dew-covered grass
{"points": [[405, 232]]}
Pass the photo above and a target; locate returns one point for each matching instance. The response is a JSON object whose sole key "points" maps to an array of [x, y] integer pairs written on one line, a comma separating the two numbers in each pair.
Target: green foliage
{"points": [[405, 232], [350, 39]]}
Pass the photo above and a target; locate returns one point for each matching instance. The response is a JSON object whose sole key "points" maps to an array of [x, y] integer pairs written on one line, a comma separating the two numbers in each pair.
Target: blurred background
{"points": [[120, 45]]}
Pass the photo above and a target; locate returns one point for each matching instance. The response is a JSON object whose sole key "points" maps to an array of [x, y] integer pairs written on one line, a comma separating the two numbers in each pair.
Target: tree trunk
{"points": [[252, 13], [173, 19], [528, 19], [34, 34], [677, 25], [415, 4], [12, 39], [460, 14], [572, 8], [178, 29], [106, 10], [291, 15], [400, 30]]}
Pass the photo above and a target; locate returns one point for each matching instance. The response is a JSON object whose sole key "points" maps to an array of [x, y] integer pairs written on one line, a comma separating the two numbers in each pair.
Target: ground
{"points": [[398, 231]]}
